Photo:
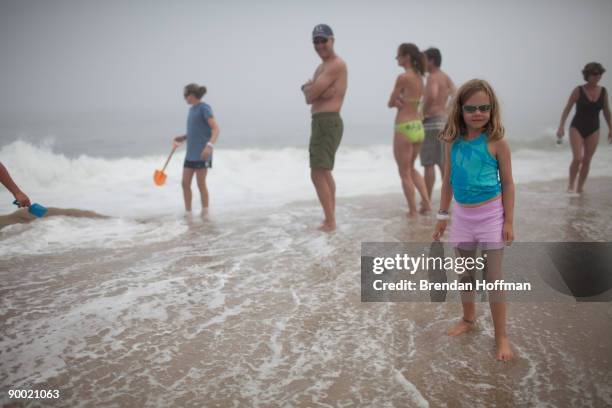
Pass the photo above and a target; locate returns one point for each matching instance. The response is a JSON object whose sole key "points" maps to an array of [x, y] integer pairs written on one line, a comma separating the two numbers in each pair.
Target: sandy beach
{"points": [[118, 298], [260, 310]]}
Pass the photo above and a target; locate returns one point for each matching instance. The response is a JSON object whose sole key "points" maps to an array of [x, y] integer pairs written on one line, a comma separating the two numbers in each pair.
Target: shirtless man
{"points": [[438, 90], [325, 92]]}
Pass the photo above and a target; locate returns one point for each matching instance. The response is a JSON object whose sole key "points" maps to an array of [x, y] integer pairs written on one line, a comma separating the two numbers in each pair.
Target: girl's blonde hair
{"points": [[455, 126]]}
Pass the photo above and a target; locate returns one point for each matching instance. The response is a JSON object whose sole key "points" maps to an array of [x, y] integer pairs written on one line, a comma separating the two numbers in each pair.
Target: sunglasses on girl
{"points": [[320, 40], [474, 108]]}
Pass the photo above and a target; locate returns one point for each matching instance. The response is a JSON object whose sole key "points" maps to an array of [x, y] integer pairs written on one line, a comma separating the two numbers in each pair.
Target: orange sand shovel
{"points": [[159, 177]]}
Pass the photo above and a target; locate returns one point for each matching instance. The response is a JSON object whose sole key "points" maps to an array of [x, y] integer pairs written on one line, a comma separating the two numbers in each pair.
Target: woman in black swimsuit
{"points": [[584, 128]]}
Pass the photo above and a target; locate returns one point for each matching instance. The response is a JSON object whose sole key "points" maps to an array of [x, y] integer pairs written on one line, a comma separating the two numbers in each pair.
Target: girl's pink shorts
{"points": [[478, 225]]}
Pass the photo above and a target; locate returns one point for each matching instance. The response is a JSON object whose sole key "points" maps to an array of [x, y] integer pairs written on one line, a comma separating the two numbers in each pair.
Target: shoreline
{"points": [[530, 198]]}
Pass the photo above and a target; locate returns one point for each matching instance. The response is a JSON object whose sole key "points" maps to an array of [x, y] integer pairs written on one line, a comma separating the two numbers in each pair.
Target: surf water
{"points": [[251, 306], [258, 309]]}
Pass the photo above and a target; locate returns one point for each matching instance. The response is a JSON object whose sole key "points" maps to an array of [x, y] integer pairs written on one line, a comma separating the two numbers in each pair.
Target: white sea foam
{"points": [[240, 179], [412, 391], [57, 234]]}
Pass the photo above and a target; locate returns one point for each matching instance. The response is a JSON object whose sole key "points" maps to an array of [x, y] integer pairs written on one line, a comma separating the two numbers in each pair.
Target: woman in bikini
{"points": [[409, 131], [589, 98]]}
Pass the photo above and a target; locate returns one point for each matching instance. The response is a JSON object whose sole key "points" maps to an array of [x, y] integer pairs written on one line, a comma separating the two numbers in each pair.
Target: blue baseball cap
{"points": [[322, 30]]}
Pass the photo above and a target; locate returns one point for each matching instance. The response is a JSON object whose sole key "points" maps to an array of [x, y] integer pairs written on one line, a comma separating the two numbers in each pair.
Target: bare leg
{"points": [[402, 150], [497, 302], [320, 181], [186, 183], [418, 180], [430, 178], [590, 145], [467, 301], [576, 144], [441, 169], [201, 180], [332, 186]]}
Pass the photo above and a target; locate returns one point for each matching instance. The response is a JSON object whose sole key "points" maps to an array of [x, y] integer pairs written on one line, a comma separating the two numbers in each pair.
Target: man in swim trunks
{"points": [[325, 93], [438, 90]]}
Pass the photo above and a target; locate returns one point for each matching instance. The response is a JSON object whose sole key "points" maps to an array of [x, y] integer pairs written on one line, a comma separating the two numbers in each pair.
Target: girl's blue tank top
{"points": [[474, 171]]}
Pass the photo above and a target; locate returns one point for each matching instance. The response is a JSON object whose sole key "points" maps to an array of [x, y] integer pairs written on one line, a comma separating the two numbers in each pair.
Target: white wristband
{"points": [[210, 144], [442, 216]]}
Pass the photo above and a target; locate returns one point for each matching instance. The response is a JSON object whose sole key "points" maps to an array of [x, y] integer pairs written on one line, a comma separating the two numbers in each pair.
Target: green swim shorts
{"points": [[326, 133]]}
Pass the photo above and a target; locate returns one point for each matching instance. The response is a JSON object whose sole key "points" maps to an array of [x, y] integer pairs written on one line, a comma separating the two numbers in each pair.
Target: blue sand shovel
{"points": [[35, 209]]}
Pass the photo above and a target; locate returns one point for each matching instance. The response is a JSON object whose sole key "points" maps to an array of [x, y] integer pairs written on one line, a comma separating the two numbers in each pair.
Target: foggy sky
{"points": [[61, 56]]}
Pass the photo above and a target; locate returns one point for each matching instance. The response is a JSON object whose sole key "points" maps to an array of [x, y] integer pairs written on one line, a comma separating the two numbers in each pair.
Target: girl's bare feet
{"points": [[504, 351]]}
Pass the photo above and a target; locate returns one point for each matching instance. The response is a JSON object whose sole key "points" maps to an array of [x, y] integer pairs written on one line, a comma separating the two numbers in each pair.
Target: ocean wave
{"points": [[240, 178]]}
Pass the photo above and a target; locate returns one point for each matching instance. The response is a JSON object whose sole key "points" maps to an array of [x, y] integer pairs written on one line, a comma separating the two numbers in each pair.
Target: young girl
{"points": [[477, 171], [409, 131], [202, 133]]}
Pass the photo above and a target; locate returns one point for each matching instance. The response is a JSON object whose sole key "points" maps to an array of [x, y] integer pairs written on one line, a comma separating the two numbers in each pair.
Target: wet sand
{"points": [[258, 309]]}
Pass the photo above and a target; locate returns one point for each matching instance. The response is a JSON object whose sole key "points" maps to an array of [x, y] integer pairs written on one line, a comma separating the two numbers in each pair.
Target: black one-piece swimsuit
{"points": [[586, 119]]}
